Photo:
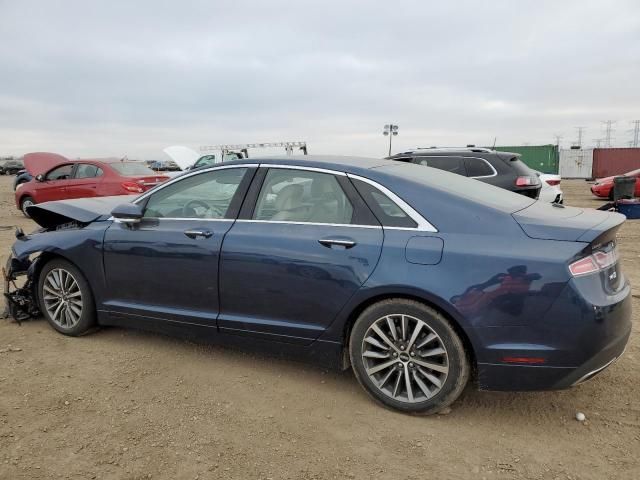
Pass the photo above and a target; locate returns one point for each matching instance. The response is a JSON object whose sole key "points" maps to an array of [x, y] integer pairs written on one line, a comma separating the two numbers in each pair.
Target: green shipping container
{"points": [[544, 158]]}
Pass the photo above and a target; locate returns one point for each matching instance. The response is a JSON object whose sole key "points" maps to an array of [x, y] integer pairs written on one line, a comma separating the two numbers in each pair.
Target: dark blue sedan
{"points": [[417, 278]]}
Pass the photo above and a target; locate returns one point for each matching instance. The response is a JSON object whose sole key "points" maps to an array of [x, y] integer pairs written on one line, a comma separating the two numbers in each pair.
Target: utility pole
{"points": [[391, 130], [636, 133], [558, 137], [608, 128], [580, 133]]}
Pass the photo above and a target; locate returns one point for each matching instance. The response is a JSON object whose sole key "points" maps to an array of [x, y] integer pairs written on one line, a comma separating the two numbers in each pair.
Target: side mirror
{"points": [[40, 178], [127, 213]]}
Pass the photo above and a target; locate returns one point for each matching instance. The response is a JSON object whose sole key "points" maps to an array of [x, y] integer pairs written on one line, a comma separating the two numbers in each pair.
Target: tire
{"points": [[72, 318], [24, 203], [440, 362]]}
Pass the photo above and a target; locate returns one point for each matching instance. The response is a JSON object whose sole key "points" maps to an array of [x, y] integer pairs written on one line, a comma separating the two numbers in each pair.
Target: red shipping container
{"points": [[608, 162]]}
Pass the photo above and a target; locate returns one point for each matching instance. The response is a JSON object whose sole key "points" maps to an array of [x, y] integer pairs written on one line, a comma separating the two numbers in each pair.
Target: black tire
{"points": [[455, 357], [24, 202], [87, 315]]}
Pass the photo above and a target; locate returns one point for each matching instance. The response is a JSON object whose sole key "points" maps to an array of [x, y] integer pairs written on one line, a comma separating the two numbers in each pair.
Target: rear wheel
{"points": [[408, 357], [65, 298], [25, 203]]}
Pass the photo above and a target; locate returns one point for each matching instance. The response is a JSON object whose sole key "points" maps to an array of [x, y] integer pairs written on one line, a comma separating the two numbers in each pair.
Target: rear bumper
{"points": [[583, 333], [535, 378]]}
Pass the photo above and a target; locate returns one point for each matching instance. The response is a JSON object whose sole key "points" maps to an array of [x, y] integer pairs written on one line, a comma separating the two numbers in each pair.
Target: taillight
{"points": [[525, 181], [133, 187], [595, 262], [553, 183]]}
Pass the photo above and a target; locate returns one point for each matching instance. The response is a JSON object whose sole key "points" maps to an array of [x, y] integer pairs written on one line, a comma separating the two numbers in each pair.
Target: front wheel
{"points": [[407, 356], [65, 298], [25, 203]]}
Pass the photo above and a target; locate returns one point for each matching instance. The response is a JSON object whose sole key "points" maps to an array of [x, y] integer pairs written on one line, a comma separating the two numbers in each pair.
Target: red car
{"points": [[57, 178], [604, 186]]}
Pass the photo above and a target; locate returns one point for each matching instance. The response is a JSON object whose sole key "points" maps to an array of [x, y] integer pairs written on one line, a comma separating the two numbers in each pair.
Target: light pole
{"points": [[390, 130]]}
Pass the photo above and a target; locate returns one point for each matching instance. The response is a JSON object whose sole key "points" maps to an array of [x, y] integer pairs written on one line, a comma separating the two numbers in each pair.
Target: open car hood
{"points": [[41, 162], [183, 156], [51, 215]]}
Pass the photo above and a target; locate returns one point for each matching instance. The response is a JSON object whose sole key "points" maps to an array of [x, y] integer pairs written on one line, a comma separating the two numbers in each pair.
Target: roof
{"points": [[428, 150], [330, 162]]}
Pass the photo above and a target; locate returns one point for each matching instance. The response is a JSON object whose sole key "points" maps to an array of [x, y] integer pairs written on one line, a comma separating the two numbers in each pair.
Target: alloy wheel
{"points": [[405, 358], [25, 204], [62, 298]]}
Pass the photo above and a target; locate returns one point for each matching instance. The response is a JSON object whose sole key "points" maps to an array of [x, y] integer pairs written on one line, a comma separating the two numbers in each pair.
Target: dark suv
{"points": [[501, 169]]}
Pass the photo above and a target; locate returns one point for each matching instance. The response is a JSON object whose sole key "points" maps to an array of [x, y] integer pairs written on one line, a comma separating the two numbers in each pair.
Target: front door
{"points": [[288, 268], [166, 267], [54, 184]]}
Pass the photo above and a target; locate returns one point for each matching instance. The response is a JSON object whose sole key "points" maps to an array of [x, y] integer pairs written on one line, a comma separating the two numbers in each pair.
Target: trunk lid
{"points": [[551, 222], [52, 215]]}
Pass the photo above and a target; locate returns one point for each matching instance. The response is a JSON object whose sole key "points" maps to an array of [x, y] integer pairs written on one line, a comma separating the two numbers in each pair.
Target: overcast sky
{"points": [[87, 78]]}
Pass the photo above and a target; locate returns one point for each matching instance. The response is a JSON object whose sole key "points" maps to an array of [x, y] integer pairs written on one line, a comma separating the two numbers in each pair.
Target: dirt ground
{"points": [[123, 404]]}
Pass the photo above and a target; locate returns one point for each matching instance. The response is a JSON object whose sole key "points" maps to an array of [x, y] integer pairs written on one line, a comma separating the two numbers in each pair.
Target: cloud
{"points": [[108, 78]]}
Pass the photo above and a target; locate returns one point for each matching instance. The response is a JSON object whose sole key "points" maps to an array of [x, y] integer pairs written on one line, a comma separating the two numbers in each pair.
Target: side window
{"points": [[385, 209], [207, 195], [87, 171], [449, 164], [60, 173], [302, 196], [477, 167]]}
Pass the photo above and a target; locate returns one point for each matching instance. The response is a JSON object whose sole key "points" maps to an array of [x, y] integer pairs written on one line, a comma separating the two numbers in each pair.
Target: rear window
{"points": [[518, 165], [463, 187], [131, 169]]}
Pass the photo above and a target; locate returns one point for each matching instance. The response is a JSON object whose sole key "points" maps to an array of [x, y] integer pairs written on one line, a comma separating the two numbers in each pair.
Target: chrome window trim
{"points": [[423, 224], [298, 167], [377, 227], [191, 174]]}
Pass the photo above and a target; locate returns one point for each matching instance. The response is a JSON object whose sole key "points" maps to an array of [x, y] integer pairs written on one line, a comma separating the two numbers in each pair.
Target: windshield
{"points": [[131, 169]]}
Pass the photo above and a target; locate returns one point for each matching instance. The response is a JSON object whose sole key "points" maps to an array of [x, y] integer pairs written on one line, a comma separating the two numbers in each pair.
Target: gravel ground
{"points": [[123, 404]]}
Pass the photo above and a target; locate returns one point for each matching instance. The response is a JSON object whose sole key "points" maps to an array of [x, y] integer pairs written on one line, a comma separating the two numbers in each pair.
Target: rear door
{"points": [[305, 242], [85, 181]]}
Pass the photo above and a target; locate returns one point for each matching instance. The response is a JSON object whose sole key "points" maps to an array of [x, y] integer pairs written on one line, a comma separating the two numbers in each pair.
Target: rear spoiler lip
{"points": [[596, 234]]}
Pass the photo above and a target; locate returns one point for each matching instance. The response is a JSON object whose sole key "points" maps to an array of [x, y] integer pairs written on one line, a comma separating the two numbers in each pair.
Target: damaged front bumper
{"points": [[20, 301]]}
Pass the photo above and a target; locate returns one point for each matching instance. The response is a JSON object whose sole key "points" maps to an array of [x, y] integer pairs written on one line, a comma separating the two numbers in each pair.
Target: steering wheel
{"points": [[191, 207]]}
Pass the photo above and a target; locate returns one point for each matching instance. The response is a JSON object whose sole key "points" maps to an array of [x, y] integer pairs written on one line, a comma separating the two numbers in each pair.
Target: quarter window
{"points": [[386, 210], [477, 167], [207, 196], [302, 196]]}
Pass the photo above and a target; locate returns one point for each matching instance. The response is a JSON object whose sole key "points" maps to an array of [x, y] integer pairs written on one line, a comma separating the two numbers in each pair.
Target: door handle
{"points": [[198, 233], [340, 242]]}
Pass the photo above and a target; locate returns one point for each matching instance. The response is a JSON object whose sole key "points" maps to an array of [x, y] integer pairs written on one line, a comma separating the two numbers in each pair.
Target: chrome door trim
{"points": [[377, 227]]}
